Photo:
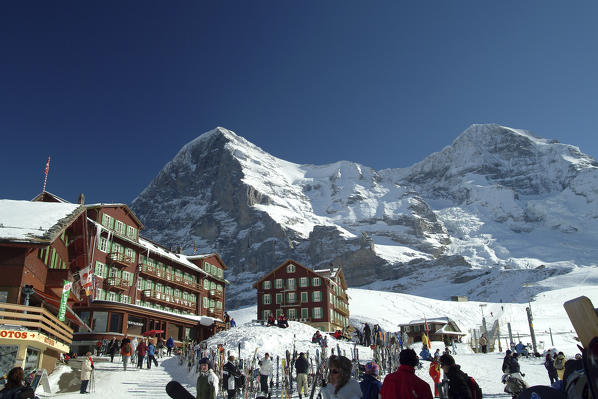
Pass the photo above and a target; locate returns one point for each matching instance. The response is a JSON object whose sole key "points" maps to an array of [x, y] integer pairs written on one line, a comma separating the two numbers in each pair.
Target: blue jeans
{"points": [[83, 386]]}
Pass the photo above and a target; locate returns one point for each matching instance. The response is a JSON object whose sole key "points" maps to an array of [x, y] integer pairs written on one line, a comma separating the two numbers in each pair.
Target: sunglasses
{"points": [[334, 371]]}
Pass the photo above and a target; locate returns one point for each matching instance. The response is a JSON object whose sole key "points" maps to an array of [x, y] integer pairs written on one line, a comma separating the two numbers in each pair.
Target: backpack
{"points": [[127, 349], [476, 391]]}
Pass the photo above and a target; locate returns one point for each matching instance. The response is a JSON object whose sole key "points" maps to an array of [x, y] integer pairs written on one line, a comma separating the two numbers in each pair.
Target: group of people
{"points": [[280, 321], [229, 321]]}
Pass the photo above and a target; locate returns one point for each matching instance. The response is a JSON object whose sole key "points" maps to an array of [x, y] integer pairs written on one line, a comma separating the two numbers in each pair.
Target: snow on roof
{"points": [[27, 221], [200, 256], [328, 273], [430, 320], [179, 258]]}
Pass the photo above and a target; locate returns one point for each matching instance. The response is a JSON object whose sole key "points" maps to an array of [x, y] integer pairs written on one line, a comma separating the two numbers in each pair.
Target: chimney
{"points": [[81, 199]]}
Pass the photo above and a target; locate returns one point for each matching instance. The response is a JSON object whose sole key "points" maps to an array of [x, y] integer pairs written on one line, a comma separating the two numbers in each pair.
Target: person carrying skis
{"points": [[403, 383], [367, 335], [207, 381], [169, 346], [370, 385], [552, 372], [458, 387], [265, 371], [230, 375], [435, 373], [301, 367], [340, 384]]}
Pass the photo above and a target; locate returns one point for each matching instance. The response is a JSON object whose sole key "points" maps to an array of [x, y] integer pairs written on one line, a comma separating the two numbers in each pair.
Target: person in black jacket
{"points": [[301, 366], [457, 380], [230, 374], [514, 364], [505, 362], [14, 387], [367, 335], [549, 364]]}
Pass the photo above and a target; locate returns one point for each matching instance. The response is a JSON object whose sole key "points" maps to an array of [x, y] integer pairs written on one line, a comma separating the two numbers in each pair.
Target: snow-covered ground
{"points": [[386, 309]]}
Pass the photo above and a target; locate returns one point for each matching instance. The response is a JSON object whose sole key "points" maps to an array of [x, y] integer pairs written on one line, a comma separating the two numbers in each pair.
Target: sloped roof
{"points": [[323, 273], [119, 205], [35, 222], [46, 195]]}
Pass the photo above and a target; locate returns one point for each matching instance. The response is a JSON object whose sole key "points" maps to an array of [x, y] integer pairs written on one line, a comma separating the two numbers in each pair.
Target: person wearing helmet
{"points": [[370, 386]]}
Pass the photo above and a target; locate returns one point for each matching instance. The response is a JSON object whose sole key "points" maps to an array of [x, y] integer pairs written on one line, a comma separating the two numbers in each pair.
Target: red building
{"points": [[316, 297]]}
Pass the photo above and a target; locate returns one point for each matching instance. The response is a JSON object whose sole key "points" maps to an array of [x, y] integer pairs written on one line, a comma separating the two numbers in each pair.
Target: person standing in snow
{"points": [[265, 371], [169, 346], [226, 320], [230, 374], [141, 351], [233, 323], [340, 384], [458, 387], [151, 351], [506, 361], [134, 343], [559, 364], [125, 352], [112, 349], [207, 381], [301, 367], [367, 334], [86, 369], [370, 385], [403, 383], [484, 343], [435, 372], [552, 373]]}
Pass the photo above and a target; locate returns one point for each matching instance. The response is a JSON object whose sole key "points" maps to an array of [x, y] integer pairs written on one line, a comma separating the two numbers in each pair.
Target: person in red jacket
{"points": [[403, 383], [141, 350], [435, 374]]}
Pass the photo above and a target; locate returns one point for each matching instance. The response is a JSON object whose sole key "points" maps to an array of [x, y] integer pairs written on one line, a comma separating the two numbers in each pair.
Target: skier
{"points": [[169, 346], [370, 386], [265, 371], [552, 372], [230, 375], [207, 381], [340, 384], [484, 343], [14, 387], [559, 364], [403, 383], [435, 372], [86, 368], [301, 367], [458, 382], [367, 334]]}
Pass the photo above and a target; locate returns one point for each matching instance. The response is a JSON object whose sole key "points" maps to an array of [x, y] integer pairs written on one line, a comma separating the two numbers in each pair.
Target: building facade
{"points": [[315, 297]]}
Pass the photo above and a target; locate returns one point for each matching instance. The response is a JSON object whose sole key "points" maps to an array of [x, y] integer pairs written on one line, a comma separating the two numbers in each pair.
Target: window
{"points": [[129, 253], [278, 283], [127, 277], [278, 298], [317, 296], [267, 285], [139, 283], [292, 314], [132, 232], [111, 296], [291, 283], [304, 313], [315, 281], [290, 268], [103, 244], [125, 299], [304, 298], [119, 227], [107, 221], [266, 313], [99, 294], [116, 247], [291, 297], [100, 269], [206, 302], [304, 282], [267, 299], [316, 313], [206, 284]]}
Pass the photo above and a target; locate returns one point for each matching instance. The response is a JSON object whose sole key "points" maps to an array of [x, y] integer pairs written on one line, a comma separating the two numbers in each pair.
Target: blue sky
{"points": [[112, 90]]}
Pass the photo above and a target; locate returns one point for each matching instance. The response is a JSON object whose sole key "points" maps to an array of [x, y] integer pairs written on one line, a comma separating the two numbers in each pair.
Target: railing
{"points": [[169, 299], [172, 278], [342, 309], [116, 282], [119, 259], [36, 318], [216, 293]]}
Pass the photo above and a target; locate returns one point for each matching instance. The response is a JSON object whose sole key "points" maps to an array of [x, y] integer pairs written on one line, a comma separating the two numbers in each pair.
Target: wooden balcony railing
{"points": [[174, 279], [216, 294], [118, 259], [169, 299], [116, 283], [36, 318]]}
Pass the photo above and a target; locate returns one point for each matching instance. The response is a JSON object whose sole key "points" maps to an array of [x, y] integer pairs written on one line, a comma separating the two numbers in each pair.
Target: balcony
{"points": [[173, 279], [216, 294], [116, 283], [37, 319], [170, 300], [118, 259], [342, 310]]}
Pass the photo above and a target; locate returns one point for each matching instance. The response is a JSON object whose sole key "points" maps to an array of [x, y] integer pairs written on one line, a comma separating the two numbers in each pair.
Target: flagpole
{"points": [[46, 174]]}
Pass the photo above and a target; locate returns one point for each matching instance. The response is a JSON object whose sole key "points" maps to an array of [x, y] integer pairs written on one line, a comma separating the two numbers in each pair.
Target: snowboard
{"points": [[176, 391]]}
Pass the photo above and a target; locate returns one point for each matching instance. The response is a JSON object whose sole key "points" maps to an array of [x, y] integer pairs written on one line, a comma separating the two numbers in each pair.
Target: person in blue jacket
{"points": [[151, 355], [425, 353], [169, 345]]}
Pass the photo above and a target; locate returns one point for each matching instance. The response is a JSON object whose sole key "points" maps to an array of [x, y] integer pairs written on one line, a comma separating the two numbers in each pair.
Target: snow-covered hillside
{"points": [[498, 208]]}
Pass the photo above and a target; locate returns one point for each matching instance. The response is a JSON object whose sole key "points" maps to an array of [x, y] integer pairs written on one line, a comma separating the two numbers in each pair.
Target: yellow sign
{"points": [[33, 336]]}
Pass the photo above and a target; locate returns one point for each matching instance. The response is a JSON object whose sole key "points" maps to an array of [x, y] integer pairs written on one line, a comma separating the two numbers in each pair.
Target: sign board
{"points": [[41, 376], [29, 336]]}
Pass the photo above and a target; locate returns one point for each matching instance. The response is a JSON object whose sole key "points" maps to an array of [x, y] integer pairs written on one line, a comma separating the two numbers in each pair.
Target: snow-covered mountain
{"points": [[497, 203]]}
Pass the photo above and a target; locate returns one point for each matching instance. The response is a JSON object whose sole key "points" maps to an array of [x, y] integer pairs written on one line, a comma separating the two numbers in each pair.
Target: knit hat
{"points": [[408, 357], [447, 360], [372, 368], [204, 360]]}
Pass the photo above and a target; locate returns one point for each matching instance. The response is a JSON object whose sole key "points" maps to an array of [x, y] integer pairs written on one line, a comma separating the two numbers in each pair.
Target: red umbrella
{"points": [[152, 332]]}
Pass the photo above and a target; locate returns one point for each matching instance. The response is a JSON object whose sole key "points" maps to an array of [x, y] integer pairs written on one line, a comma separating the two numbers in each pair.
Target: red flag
{"points": [[426, 326], [47, 167]]}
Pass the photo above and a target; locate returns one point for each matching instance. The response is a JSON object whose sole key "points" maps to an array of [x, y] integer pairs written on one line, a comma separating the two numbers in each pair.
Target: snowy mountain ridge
{"points": [[498, 200]]}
